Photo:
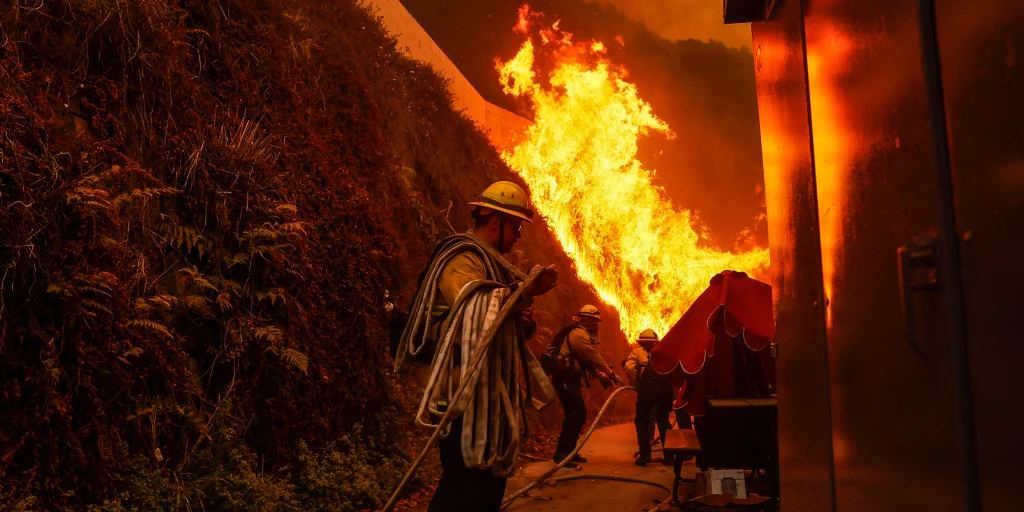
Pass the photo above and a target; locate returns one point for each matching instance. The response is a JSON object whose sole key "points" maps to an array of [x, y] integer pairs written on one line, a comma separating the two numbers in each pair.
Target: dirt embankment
{"points": [[208, 211]]}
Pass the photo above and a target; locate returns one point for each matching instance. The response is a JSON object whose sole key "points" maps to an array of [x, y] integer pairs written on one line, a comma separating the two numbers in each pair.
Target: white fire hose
{"points": [[475, 365], [509, 499]]}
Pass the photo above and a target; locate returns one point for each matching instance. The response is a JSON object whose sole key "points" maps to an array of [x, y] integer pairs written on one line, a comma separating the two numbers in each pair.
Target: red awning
{"points": [[732, 316]]}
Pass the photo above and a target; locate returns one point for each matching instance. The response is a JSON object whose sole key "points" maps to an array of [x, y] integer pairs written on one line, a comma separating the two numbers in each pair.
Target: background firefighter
{"points": [[653, 398], [578, 361], [461, 290]]}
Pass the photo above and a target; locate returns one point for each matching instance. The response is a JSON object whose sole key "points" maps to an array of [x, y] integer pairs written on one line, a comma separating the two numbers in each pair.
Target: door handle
{"points": [[910, 257]]}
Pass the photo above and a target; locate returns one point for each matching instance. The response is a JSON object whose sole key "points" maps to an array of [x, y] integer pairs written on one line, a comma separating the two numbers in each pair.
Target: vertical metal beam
{"points": [[814, 193], [806, 462], [950, 251]]}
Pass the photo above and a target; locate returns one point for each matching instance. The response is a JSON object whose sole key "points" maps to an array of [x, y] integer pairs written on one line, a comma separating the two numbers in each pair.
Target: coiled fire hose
{"points": [[475, 364], [509, 499]]}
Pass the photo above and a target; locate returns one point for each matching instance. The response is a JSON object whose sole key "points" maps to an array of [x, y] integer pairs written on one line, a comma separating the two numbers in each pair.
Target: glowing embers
{"points": [[644, 257]]}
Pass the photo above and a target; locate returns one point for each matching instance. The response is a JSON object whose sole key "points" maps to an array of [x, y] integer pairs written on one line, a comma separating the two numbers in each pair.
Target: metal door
{"points": [[896, 434], [805, 442], [981, 49]]}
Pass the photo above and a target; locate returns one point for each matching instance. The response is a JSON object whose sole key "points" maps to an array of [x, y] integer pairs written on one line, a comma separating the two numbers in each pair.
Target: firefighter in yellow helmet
{"points": [[653, 396], [578, 361], [499, 213], [466, 269]]}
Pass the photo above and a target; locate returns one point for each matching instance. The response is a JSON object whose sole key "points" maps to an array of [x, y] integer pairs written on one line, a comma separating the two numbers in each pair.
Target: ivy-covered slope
{"points": [[208, 211]]}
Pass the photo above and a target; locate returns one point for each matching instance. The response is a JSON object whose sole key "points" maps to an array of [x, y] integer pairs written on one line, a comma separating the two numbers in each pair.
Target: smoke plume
{"points": [[685, 19]]}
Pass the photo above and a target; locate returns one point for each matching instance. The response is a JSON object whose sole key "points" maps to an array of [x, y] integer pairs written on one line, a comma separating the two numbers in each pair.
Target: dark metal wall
{"points": [[981, 44], [915, 141], [802, 371], [894, 420]]}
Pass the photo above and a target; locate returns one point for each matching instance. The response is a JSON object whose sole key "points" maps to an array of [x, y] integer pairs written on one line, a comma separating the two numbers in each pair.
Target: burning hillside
{"points": [[644, 256]]}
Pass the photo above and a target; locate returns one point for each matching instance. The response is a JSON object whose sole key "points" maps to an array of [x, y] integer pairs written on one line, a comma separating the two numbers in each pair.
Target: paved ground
{"points": [[610, 452]]}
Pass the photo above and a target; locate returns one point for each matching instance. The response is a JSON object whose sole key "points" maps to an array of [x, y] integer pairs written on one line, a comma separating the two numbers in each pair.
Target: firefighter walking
{"points": [[465, 284]]}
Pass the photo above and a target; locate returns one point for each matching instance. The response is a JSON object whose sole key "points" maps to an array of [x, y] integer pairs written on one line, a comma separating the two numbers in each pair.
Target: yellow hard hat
{"points": [[648, 334], [590, 312], [506, 197]]}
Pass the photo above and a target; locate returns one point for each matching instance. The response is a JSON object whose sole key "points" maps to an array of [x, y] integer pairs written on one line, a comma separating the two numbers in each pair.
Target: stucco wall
{"points": [[500, 124]]}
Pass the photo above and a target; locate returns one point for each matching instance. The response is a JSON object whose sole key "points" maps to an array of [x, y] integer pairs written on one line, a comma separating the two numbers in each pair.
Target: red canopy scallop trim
{"points": [[733, 304]]}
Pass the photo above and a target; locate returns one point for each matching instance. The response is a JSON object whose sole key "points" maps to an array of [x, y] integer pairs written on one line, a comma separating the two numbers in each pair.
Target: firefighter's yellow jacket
{"points": [[584, 346], [638, 359]]}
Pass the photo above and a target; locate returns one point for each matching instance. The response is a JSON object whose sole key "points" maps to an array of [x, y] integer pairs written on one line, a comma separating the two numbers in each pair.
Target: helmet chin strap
{"points": [[501, 234]]}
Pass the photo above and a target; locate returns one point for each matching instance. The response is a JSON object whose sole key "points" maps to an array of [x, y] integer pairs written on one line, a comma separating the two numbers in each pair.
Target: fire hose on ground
{"points": [[509, 499]]}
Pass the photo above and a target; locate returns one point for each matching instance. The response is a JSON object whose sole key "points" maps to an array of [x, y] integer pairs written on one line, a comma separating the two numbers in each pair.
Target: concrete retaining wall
{"points": [[499, 124]]}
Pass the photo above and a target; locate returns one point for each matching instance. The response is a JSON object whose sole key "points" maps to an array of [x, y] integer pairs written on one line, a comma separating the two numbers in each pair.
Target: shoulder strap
{"points": [[559, 339]]}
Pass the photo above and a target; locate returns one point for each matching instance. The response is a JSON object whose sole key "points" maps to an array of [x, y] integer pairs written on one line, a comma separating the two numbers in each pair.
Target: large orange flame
{"points": [[643, 256]]}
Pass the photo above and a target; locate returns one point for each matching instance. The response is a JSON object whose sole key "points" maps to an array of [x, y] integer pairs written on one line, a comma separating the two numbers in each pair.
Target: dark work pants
{"points": [[463, 489], [570, 394], [656, 397]]}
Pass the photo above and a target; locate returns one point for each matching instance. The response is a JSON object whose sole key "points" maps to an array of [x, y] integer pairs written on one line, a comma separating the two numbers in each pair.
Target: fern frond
{"points": [[99, 205], [294, 227], [238, 258], [90, 307], [267, 333], [141, 195], [200, 282], [95, 289], [197, 304], [179, 236], [287, 208], [134, 351], [224, 301], [107, 241], [153, 326], [113, 172], [89, 196], [259, 233], [273, 294], [103, 282], [296, 359], [164, 302], [230, 286]]}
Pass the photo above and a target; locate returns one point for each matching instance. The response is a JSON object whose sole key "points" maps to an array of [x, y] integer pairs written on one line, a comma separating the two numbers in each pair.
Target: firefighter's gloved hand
{"points": [[527, 314], [604, 380], [618, 379], [545, 283]]}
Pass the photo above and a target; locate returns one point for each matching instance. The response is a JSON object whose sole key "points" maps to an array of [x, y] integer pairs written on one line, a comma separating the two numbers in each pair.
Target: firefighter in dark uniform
{"points": [[653, 397], [578, 361]]}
